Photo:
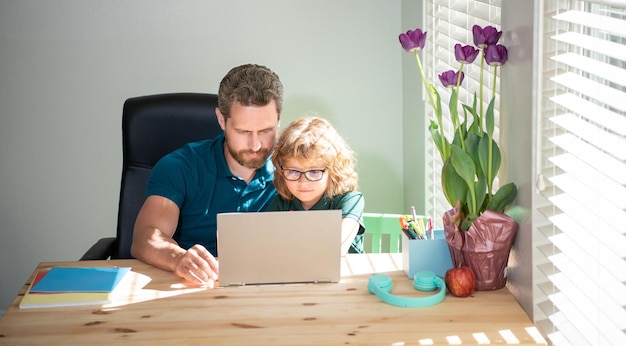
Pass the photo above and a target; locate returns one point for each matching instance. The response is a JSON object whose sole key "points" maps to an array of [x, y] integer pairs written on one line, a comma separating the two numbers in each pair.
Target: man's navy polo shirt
{"points": [[197, 178]]}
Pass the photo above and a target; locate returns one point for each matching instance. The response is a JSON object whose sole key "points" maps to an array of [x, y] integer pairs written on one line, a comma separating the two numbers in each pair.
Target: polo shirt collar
{"points": [[322, 204]]}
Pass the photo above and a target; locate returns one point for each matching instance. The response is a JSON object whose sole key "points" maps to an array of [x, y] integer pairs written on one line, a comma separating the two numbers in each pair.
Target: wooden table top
{"points": [[152, 306]]}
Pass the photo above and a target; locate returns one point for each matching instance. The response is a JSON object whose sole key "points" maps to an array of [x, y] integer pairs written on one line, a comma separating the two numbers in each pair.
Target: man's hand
{"points": [[153, 244], [197, 265]]}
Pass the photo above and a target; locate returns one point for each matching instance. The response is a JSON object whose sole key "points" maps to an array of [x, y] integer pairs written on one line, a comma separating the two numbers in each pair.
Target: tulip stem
{"points": [[455, 117], [429, 92], [482, 69], [428, 89], [495, 79], [490, 134]]}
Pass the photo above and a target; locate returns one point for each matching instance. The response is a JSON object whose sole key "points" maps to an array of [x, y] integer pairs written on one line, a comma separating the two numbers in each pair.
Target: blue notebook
{"points": [[70, 279]]}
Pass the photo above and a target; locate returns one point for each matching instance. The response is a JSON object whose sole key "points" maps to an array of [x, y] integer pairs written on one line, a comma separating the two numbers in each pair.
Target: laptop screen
{"points": [[279, 247]]}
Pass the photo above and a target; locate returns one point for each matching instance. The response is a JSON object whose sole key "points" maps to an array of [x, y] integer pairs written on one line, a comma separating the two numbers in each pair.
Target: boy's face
{"points": [[308, 192], [250, 133]]}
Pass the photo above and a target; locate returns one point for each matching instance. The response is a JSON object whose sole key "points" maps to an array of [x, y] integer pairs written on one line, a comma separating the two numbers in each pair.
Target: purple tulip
{"points": [[496, 55], [450, 77], [485, 37], [465, 54], [413, 40]]}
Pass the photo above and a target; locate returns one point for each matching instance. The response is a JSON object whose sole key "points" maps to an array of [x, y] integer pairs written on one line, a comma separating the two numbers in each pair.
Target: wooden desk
{"points": [[154, 307]]}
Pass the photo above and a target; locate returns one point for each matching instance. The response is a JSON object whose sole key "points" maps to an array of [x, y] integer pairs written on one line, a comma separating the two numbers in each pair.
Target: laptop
{"points": [[279, 247]]}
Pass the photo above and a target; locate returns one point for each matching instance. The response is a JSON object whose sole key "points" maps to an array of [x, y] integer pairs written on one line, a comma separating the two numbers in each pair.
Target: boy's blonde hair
{"points": [[315, 139]]}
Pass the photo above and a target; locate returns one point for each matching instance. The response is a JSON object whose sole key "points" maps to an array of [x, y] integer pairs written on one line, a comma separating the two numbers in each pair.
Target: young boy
{"points": [[315, 171]]}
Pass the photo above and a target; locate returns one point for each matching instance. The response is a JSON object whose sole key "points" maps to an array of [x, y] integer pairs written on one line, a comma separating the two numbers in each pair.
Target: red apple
{"points": [[460, 281]]}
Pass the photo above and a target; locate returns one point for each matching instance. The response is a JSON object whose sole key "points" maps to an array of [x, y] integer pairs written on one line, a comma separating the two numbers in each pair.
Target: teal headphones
{"points": [[380, 285]]}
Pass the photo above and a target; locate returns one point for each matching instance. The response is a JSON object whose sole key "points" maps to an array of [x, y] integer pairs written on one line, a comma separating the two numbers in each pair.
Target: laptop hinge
{"points": [[237, 283], [322, 281]]}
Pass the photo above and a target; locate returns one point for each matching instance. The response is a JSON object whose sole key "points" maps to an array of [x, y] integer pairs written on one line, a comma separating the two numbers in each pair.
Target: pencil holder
{"points": [[426, 254]]}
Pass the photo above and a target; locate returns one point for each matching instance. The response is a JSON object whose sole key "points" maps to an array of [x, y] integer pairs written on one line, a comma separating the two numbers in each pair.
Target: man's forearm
{"points": [[157, 249]]}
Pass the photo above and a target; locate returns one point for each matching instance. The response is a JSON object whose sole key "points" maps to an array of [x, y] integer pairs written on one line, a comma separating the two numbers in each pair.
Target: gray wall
{"points": [[66, 67], [518, 106], [414, 124]]}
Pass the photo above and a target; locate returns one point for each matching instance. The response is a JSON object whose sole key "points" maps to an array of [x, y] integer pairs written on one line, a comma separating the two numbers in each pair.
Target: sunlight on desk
{"points": [[481, 338], [536, 335], [376, 263], [454, 340], [134, 289], [509, 337]]}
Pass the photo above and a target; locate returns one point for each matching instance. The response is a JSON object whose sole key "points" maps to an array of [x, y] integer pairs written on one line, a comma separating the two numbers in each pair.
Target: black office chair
{"points": [[152, 126]]}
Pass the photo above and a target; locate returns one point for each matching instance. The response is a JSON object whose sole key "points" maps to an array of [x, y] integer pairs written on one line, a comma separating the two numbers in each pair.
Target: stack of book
{"points": [[68, 286]]}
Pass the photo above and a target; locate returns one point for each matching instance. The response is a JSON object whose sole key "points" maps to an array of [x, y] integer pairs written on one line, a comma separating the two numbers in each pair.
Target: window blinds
{"points": [[449, 22], [580, 290]]}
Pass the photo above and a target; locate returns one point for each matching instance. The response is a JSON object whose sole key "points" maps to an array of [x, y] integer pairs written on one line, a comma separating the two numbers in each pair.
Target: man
{"points": [[196, 182]]}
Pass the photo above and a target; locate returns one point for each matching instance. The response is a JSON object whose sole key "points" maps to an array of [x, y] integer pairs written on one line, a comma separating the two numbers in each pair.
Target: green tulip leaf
{"points": [[490, 121], [483, 158], [503, 198], [476, 126], [457, 139], [453, 104], [471, 147], [466, 223], [454, 113], [463, 164], [453, 186], [466, 169], [475, 197], [440, 142], [466, 109], [480, 186], [438, 110]]}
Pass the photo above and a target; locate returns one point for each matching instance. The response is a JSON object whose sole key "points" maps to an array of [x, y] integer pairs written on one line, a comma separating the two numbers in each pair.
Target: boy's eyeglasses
{"points": [[312, 175]]}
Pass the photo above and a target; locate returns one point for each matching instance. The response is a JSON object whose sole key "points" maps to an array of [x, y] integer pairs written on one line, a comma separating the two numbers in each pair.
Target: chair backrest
{"points": [[382, 233], [153, 126]]}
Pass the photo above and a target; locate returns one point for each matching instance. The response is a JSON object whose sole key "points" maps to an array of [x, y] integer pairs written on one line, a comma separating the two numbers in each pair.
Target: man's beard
{"points": [[239, 156]]}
